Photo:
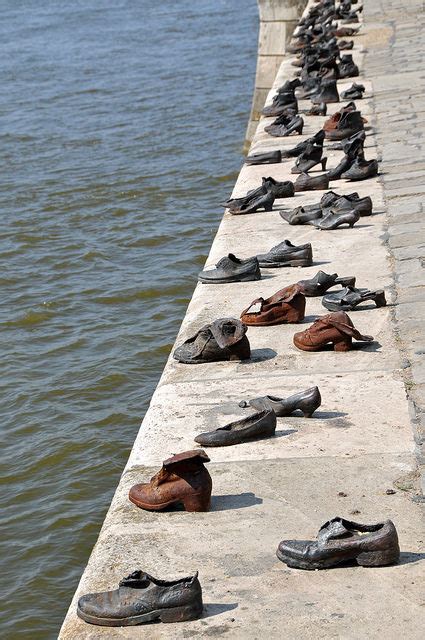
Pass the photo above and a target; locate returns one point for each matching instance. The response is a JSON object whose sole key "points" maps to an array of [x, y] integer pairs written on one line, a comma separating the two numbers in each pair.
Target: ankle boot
{"points": [[321, 282], [327, 93], [355, 92], [295, 125], [347, 67], [182, 479], [335, 328], [349, 124], [309, 159]]}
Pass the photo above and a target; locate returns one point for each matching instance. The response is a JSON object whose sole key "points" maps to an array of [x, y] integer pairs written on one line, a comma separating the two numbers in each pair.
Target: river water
{"points": [[121, 128]]}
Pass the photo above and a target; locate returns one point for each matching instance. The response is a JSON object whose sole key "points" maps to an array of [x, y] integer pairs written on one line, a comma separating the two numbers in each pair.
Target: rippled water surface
{"points": [[121, 129]]}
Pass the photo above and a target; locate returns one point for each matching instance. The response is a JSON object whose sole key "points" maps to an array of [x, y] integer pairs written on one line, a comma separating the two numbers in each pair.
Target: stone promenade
{"points": [[358, 457]]}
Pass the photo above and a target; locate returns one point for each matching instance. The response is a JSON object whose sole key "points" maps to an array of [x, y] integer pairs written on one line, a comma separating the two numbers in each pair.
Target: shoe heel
{"points": [[380, 300], [323, 163], [344, 344], [197, 502], [180, 614], [378, 558], [300, 128]]}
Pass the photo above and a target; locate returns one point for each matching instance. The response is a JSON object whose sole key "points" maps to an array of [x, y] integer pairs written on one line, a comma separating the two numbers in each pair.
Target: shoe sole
{"points": [[174, 614], [363, 559], [291, 263], [229, 280]]}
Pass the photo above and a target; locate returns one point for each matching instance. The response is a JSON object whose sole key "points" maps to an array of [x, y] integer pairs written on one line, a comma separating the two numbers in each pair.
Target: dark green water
{"points": [[121, 128]]}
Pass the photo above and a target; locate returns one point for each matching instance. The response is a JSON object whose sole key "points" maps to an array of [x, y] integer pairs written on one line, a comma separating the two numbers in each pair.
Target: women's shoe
{"points": [[254, 427], [305, 401]]}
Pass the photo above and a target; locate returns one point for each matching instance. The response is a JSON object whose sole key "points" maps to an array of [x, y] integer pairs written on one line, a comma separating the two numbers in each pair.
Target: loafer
{"points": [[232, 269], [305, 401], [304, 182], [335, 328], [254, 427], [183, 479], [223, 339], [340, 541], [287, 306], [141, 598], [349, 298], [321, 282], [269, 157], [287, 254]]}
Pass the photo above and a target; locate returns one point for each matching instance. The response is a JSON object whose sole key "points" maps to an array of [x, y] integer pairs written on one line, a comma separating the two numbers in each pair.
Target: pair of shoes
{"points": [[233, 269], [330, 201], [316, 140], [261, 198], [334, 328], [289, 124]]}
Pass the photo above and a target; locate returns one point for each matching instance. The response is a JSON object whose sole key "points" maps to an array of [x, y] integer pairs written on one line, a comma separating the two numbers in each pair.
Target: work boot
{"points": [[183, 479], [327, 93], [223, 339], [286, 306]]}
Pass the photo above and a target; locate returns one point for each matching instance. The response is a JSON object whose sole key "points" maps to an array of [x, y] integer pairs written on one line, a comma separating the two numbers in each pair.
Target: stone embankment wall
{"points": [[355, 458]]}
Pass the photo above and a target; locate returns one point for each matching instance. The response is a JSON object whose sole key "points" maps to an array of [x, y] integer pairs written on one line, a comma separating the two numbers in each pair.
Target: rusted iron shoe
{"points": [[311, 157], [305, 401], [340, 541], [286, 254], [268, 157], [141, 598], [287, 306], [335, 328], [317, 139], [350, 298], [183, 479], [361, 169], [223, 339], [254, 427]]}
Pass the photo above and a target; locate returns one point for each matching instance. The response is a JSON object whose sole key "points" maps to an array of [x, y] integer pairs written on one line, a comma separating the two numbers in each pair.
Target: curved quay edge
{"points": [[340, 463]]}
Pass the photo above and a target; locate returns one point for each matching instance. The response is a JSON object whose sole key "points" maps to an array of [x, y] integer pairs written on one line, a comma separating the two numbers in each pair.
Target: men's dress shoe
{"points": [[183, 479], [287, 306], [258, 425], [335, 219], [306, 401], [141, 598], [287, 254], [349, 298], [363, 206], [269, 157], [309, 159], [328, 92], [361, 169], [355, 92], [321, 282], [304, 182], [340, 541], [223, 339], [335, 328], [232, 269]]}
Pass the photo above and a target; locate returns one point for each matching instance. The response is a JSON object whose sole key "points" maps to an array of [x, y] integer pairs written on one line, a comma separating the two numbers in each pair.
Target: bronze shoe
{"points": [[287, 306], [183, 479], [340, 541], [335, 328]]}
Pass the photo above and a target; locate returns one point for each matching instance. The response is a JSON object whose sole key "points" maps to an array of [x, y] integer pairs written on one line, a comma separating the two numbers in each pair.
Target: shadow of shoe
{"points": [[234, 501], [285, 432], [329, 415], [260, 355], [211, 610], [367, 346], [408, 557]]}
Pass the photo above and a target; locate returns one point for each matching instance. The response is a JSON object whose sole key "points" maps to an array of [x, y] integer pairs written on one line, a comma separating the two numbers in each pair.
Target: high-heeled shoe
{"points": [[349, 298], [363, 206], [306, 401], [321, 282], [309, 159], [300, 215], [335, 328], [333, 220], [264, 201]]}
